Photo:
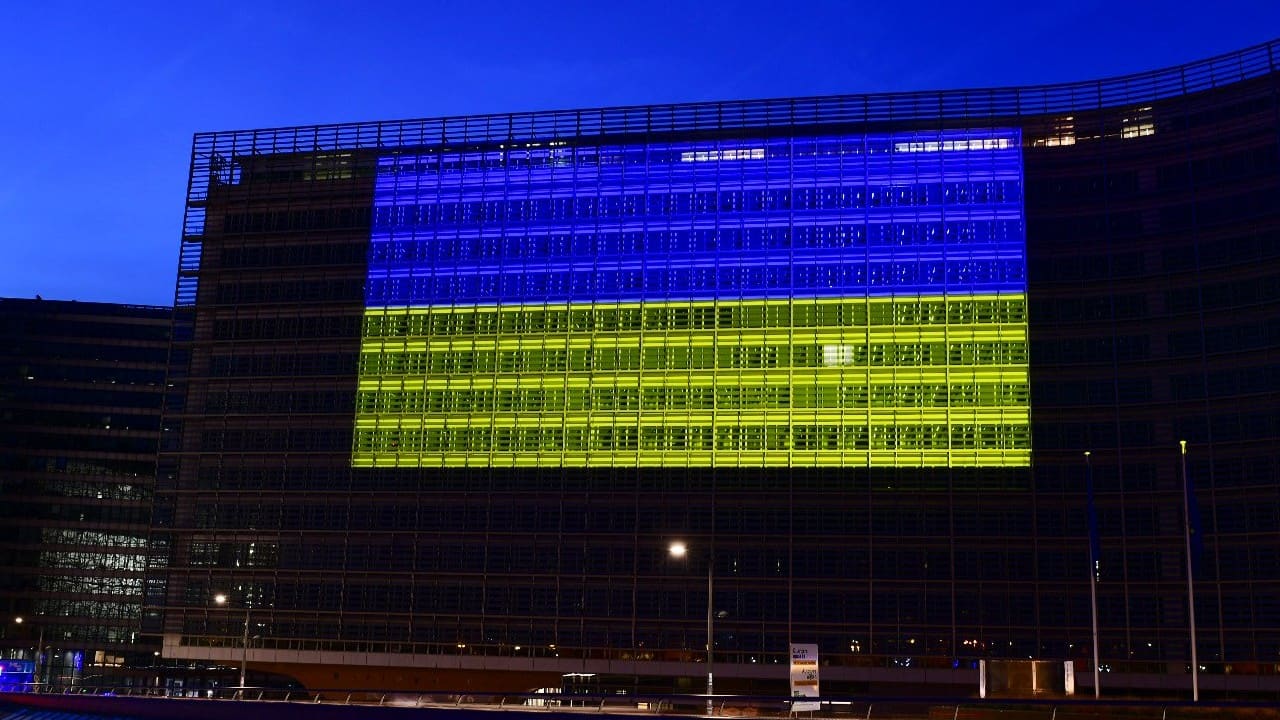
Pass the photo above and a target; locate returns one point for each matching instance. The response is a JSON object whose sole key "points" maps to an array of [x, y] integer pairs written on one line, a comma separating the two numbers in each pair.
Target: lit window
{"points": [[1139, 125], [837, 354], [953, 145], [1061, 134], [1139, 130], [718, 155]]}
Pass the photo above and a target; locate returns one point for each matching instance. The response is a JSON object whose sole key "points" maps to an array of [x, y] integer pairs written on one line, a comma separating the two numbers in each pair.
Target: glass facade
{"points": [[442, 391], [808, 301], [80, 389]]}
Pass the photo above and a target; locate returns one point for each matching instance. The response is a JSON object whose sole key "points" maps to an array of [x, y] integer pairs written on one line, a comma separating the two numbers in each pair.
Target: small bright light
{"points": [[678, 549], [18, 620], [220, 599]]}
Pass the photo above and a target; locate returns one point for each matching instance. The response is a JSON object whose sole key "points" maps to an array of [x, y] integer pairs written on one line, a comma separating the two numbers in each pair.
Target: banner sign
{"points": [[804, 677]]}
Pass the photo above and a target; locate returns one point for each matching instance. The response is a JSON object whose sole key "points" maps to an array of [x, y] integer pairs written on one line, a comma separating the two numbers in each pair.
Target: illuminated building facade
{"points": [[830, 301], [443, 390], [80, 391]]}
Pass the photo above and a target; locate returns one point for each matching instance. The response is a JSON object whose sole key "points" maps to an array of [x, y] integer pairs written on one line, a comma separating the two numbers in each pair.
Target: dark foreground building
{"points": [[445, 390], [80, 391]]}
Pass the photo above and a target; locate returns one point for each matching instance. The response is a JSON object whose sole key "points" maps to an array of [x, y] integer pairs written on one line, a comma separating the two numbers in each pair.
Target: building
{"points": [[445, 390], [80, 391]]}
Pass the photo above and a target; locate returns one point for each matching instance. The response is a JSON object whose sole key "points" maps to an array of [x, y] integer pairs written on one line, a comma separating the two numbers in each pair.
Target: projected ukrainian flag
{"points": [[850, 300]]}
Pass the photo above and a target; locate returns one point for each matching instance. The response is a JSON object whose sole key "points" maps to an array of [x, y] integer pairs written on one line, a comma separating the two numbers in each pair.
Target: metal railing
{"points": [[977, 104], [835, 708], [1152, 666]]}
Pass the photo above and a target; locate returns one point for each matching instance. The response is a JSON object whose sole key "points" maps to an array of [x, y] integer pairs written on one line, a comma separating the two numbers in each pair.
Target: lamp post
{"points": [[1094, 568], [221, 600], [35, 672], [1191, 581], [680, 550]]}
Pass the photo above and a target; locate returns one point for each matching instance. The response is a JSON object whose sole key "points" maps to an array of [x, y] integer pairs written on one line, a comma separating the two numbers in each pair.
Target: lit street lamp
{"points": [[35, 672], [221, 600], [679, 550]]}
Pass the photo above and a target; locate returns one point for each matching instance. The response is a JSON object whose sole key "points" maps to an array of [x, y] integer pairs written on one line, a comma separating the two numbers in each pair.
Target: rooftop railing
{"points": [[977, 105]]}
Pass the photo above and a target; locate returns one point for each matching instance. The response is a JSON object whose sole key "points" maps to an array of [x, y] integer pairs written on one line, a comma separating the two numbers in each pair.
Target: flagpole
{"points": [[1191, 586], [1093, 577]]}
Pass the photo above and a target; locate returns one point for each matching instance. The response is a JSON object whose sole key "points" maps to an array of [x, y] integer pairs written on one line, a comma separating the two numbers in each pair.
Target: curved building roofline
{"points": [[966, 104]]}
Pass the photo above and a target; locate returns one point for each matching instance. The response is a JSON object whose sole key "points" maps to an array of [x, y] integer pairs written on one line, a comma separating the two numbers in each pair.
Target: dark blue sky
{"points": [[103, 98]]}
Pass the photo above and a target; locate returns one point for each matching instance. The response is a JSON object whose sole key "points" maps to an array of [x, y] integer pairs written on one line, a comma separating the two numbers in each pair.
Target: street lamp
{"points": [[221, 600], [35, 672], [679, 550]]}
